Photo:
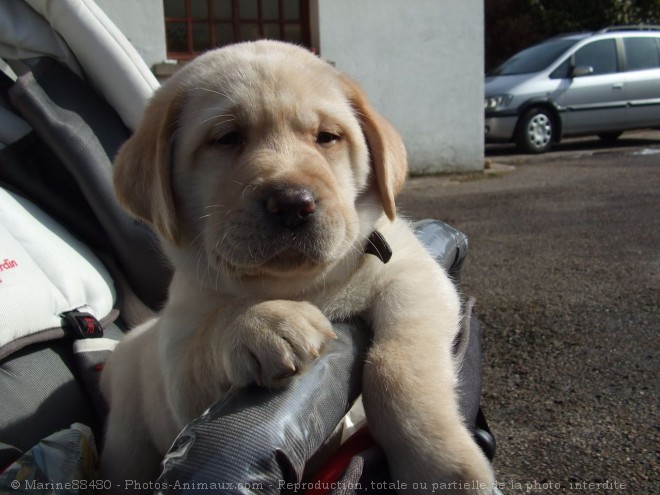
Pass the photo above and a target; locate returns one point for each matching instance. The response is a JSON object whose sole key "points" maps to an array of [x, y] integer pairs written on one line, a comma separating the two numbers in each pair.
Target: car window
{"points": [[600, 55], [563, 71], [641, 53], [535, 58]]}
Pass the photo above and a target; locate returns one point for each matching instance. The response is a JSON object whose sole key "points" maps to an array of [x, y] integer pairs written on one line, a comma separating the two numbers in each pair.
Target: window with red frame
{"points": [[193, 26]]}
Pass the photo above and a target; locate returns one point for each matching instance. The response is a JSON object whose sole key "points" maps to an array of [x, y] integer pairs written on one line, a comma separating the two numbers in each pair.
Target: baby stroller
{"points": [[72, 89]]}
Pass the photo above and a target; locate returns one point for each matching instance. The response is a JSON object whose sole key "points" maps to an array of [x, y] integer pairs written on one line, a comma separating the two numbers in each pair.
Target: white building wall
{"points": [[142, 23], [421, 63]]}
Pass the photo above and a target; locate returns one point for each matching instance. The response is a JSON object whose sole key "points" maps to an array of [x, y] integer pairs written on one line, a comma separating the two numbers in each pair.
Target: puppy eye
{"points": [[232, 138], [324, 137]]}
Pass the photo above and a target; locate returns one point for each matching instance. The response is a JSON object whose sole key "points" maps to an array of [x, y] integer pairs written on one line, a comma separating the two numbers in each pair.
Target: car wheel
{"points": [[609, 137], [535, 131]]}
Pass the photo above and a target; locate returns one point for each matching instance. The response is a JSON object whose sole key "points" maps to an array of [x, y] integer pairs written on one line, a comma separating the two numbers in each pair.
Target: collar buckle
{"points": [[378, 246]]}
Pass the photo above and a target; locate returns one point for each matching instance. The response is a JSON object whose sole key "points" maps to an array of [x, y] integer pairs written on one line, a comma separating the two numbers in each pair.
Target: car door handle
{"points": [[617, 86]]}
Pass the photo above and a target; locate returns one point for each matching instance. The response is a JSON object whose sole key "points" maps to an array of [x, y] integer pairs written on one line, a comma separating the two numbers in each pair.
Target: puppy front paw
{"points": [[273, 340], [457, 468], [475, 473]]}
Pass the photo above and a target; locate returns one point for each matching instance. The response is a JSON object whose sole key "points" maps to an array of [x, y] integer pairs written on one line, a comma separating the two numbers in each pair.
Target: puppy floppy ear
{"points": [[143, 166], [386, 148]]}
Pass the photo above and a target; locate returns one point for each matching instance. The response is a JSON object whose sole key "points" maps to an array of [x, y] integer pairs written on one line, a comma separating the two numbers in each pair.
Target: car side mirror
{"points": [[581, 71]]}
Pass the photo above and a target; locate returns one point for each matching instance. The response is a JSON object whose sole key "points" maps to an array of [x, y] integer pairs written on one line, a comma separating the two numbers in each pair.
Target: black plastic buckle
{"points": [[82, 325], [378, 246]]}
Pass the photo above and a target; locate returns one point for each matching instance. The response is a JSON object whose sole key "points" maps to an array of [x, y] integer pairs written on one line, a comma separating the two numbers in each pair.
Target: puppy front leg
{"points": [[409, 389], [241, 343], [271, 341]]}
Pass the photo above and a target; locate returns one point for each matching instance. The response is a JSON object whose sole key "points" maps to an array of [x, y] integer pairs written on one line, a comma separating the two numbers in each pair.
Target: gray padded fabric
{"points": [[40, 395], [257, 439], [447, 245], [470, 372], [42, 391]]}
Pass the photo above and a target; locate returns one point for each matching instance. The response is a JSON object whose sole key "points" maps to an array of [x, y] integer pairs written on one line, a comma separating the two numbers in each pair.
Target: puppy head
{"points": [[258, 157]]}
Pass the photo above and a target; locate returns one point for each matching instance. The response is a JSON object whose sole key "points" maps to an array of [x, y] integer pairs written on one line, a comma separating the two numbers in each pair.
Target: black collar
{"points": [[378, 246]]}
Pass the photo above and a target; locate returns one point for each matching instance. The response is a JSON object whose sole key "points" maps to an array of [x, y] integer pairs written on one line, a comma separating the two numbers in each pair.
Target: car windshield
{"points": [[534, 58]]}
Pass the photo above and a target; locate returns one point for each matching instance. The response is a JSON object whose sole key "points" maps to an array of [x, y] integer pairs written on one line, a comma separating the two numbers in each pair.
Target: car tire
{"points": [[535, 131], [609, 137]]}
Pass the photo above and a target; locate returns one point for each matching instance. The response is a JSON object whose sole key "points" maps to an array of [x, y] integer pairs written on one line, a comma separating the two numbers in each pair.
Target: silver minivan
{"points": [[575, 84]]}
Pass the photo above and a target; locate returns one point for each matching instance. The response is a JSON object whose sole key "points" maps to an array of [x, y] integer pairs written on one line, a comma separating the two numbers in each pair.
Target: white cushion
{"points": [[44, 271]]}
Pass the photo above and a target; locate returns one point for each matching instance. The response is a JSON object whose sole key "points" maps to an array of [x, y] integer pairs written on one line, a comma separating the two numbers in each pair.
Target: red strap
{"points": [[337, 464]]}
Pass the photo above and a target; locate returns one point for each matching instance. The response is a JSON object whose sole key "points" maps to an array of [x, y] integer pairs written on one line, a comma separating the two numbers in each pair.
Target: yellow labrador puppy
{"points": [[268, 176]]}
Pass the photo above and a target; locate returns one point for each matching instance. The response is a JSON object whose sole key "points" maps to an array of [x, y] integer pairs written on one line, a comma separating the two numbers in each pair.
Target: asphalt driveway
{"points": [[565, 265]]}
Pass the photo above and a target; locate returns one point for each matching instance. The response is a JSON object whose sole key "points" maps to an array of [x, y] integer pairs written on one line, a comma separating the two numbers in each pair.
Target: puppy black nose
{"points": [[290, 206]]}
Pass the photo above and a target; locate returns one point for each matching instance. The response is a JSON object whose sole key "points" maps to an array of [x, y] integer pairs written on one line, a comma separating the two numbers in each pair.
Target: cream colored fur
{"points": [[251, 303]]}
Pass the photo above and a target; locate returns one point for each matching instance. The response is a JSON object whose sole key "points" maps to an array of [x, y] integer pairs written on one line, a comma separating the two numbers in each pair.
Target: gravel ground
{"points": [[565, 265]]}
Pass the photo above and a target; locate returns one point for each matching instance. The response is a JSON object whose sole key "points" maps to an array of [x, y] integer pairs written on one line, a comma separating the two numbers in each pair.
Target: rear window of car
{"points": [[534, 58], [641, 53]]}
